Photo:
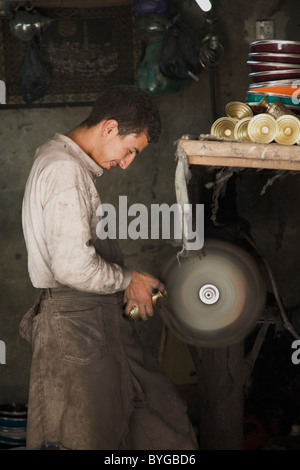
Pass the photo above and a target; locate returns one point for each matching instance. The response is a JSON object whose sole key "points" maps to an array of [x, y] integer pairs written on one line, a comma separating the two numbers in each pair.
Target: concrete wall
{"points": [[149, 180]]}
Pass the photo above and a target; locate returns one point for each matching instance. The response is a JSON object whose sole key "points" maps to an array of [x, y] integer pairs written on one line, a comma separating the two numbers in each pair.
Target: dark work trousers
{"points": [[93, 385]]}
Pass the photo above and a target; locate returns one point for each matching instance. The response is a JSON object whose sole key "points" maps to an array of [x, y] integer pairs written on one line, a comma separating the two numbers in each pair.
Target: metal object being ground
{"points": [[215, 297], [134, 313]]}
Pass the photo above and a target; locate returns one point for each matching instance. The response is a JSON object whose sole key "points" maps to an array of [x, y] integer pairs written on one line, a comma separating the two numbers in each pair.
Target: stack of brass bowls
{"points": [[276, 123], [226, 126]]}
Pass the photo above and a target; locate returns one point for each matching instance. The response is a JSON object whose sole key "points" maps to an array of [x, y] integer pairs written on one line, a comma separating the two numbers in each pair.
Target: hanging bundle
{"points": [[35, 77], [180, 52]]}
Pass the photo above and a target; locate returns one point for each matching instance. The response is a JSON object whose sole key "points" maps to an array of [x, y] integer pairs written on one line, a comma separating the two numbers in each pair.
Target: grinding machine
{"points": [[215, 295]]}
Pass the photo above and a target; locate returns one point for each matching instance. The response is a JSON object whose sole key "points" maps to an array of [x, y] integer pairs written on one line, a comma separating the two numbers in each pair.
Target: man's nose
{"points": [[125, 162]]}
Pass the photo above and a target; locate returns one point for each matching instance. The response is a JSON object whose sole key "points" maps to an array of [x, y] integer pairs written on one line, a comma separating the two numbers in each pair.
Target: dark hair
{"points": [[131, 107]]}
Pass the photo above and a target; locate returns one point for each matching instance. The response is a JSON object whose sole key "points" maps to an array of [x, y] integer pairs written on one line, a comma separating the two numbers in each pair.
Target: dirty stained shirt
{"points": [[59, 220]]}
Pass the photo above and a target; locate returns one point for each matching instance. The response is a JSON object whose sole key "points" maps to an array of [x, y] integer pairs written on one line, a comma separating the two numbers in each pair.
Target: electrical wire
{"points": [[286, 323]]}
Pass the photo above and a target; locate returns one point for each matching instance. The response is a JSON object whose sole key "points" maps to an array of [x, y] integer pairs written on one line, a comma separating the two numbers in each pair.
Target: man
{"points": [[92, 384]]}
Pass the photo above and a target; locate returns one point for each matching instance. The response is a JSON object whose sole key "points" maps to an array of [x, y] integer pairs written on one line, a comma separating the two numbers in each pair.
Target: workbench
{"points": [[214, 151]]}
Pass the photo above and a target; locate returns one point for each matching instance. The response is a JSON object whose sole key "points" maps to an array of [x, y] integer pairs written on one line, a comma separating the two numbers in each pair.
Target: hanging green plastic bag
{"points": [[149, 77]]}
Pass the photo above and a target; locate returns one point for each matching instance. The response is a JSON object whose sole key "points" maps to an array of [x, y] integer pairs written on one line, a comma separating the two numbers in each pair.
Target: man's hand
{"points": [[139, 291]]}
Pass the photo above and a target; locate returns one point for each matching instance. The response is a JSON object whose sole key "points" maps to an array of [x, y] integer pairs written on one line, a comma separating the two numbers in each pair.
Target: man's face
{"points": [[119, 150]]}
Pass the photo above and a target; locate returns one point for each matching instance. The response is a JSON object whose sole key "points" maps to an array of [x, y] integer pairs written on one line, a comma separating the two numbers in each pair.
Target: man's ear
{"points": [[110, 127]]}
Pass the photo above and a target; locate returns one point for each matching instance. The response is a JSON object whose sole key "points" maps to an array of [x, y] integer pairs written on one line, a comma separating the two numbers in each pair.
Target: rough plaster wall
{"points": [[150, 179]]}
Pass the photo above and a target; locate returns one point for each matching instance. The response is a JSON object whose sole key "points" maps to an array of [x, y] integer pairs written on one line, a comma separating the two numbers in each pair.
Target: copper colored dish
{"points": [[289, 47], [272, 83], [273, 57], [257, 66], [275, 75]]}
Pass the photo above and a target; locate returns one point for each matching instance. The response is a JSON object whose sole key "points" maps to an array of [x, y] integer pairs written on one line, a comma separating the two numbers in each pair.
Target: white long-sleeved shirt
{"points": [[59, 223]]}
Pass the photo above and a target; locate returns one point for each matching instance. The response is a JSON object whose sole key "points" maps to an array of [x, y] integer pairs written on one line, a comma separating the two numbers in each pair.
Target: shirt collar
{"points": [[77, 152]]}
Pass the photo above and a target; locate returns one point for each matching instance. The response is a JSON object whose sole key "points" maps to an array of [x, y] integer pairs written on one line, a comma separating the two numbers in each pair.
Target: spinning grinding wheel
{"points": [[215, 298]]}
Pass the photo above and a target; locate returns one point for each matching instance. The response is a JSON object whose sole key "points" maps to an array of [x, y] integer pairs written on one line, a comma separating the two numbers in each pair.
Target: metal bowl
{"points": [[257, 66], [272, 57], [280, 90], [275, 75], [151, 27], [260, 95], [13, 410], [259, 109], [14, 422], [272, 97], [273, 83], [271, 45]]}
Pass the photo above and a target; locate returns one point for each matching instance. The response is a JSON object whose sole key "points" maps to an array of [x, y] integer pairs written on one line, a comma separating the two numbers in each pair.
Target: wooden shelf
{"points": [[241, 154]]}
